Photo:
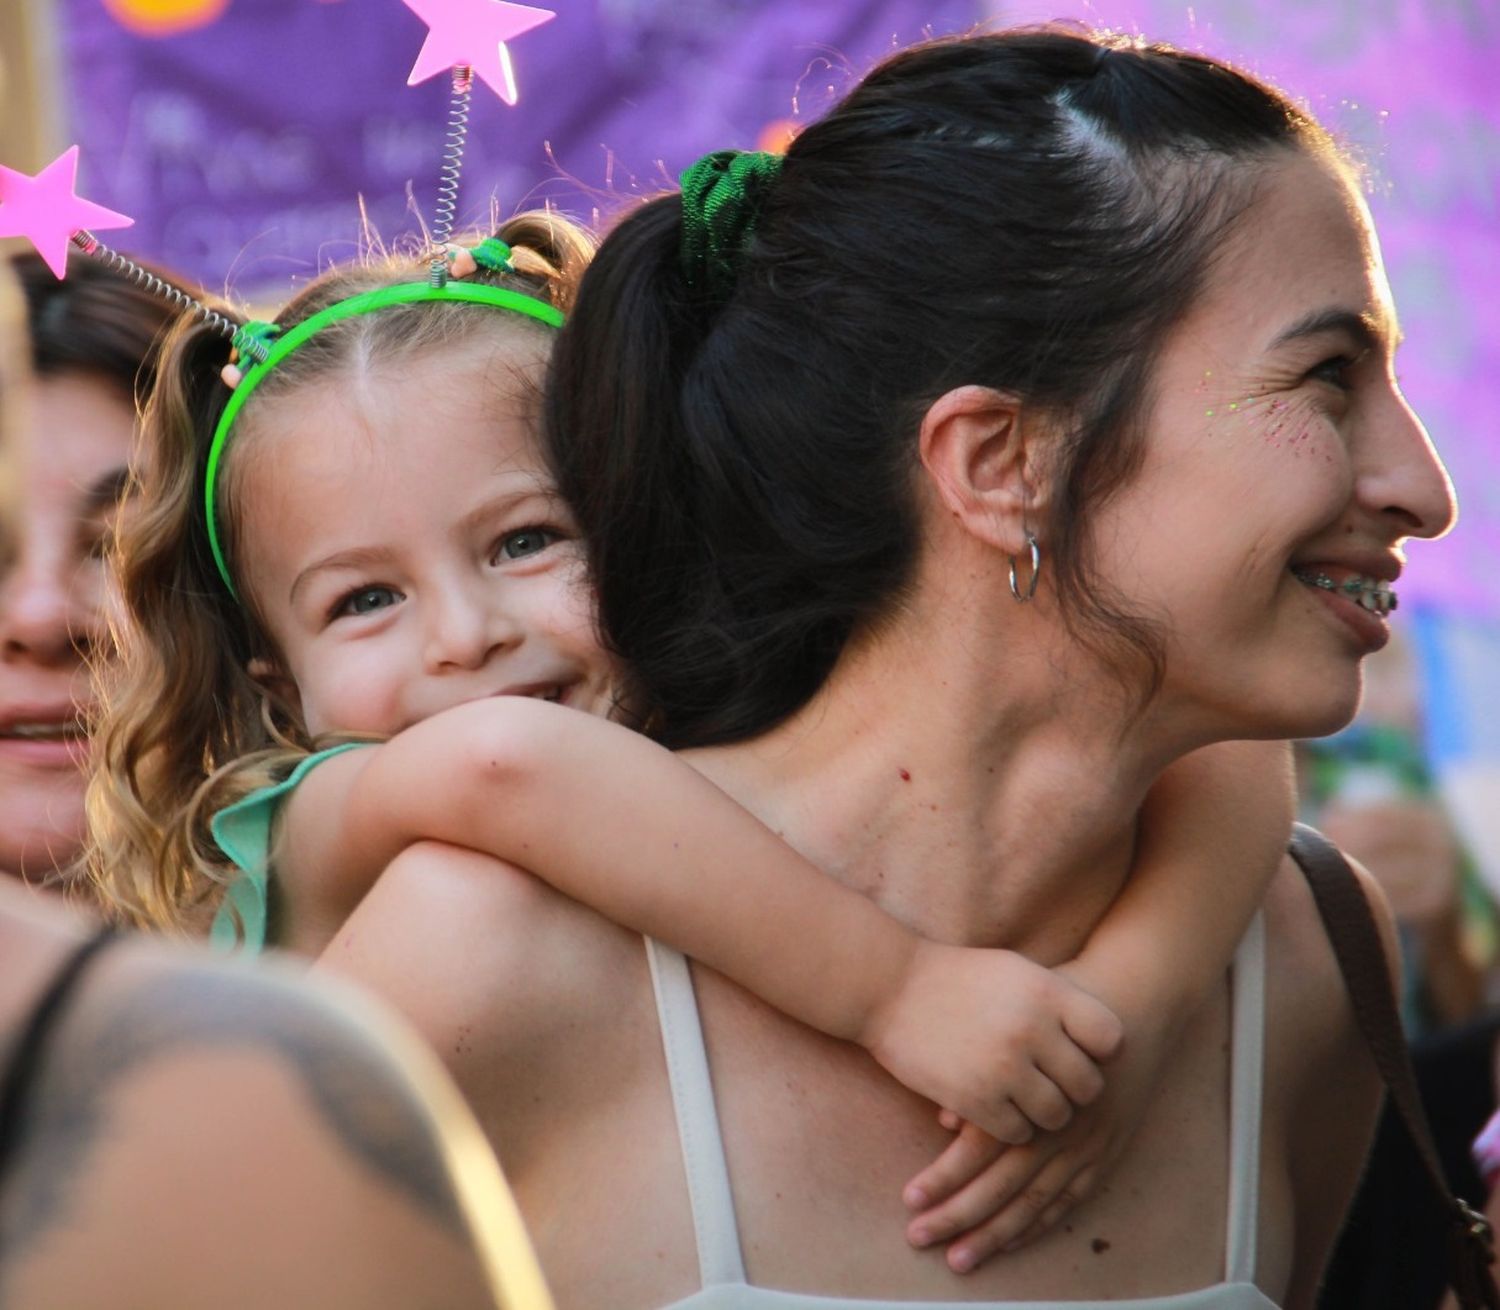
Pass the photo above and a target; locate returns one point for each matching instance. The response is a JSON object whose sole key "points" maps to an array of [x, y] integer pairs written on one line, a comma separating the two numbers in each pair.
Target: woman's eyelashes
{"points": [[1335, 370]]}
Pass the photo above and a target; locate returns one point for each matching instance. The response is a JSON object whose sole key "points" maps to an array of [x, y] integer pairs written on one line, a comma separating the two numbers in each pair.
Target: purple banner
{"points": [[241, 133]]}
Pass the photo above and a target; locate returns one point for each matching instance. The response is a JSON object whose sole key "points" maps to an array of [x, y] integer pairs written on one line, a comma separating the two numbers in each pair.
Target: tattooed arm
{"points": [[199, 1135]]}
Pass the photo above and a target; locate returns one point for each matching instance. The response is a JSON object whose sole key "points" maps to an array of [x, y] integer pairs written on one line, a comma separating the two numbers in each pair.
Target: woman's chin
{"points": [[40, 833], [1291, 708], [1329, 706]]}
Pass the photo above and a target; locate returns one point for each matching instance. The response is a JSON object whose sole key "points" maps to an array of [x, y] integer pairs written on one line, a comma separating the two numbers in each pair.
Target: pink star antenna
{"points": [[465, 38], [48, 211]]}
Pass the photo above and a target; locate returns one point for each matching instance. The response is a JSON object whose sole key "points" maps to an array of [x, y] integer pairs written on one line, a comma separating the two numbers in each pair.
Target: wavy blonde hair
{"points": [[185, 730]]}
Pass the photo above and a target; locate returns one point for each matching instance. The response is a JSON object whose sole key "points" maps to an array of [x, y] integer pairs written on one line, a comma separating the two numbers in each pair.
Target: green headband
{"points": [[408, 293]]}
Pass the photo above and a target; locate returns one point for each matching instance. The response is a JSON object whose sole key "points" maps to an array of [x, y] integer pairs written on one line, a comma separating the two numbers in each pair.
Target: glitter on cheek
{"points": [[1299, 426], [1279, 418]]}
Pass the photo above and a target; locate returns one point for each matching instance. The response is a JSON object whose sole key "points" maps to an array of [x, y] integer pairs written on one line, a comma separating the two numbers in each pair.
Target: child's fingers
{"points": [[964, 1158], [1093, 1025], [1070, 1068], [984, 1195], [1042, 1101], [1038, 1205], [951, 1120], [1003, 1120]]}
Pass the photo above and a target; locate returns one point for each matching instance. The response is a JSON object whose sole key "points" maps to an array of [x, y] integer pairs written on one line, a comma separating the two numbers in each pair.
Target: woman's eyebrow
{"points": [[1364, 329], [106, 491]]}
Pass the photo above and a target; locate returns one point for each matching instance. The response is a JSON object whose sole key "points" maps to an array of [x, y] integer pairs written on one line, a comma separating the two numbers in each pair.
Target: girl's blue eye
{"points": [[367, 600], [528, 541]]}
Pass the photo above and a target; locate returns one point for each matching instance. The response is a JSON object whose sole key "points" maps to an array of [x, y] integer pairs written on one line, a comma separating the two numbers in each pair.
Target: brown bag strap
{"points": [[1351, 929]]}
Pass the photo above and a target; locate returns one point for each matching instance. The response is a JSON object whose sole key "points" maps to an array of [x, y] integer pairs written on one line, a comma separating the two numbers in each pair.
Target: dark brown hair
{"points": [[96, 321], [1030, 210]]}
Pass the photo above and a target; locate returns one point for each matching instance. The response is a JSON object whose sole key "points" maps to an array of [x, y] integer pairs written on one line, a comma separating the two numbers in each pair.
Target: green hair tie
{"points": [[722, 195], [253, 339], [281, 346], [493, 254]]}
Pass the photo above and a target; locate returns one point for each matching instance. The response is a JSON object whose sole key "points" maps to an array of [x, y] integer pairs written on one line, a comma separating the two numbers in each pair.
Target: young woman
{"points": [[1031, 426], [92, 344]]}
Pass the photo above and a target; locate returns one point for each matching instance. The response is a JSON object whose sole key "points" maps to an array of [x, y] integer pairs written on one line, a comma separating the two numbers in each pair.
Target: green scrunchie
{"points": [[722, 196]]}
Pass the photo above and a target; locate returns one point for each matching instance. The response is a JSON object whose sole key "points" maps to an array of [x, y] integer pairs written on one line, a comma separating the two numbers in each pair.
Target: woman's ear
{"points": [[275, 682], [978, 448]]}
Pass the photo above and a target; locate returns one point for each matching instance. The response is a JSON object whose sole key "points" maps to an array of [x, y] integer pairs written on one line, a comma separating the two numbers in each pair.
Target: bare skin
{"points": [[200, 1135]]}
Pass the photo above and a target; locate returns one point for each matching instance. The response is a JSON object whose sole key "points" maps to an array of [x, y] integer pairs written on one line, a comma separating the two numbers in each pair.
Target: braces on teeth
{"points": [[1377, 597]]}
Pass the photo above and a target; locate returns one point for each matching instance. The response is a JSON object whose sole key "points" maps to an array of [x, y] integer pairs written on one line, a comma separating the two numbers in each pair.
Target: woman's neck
{"points": [[982, 800]]}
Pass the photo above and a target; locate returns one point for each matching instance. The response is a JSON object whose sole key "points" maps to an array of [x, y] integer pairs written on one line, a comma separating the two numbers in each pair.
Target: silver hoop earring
{"points": [[1036, 568]]}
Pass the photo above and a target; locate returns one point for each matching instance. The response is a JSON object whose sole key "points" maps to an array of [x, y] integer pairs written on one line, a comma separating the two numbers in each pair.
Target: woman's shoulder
{"points": [[1310, 1012], [1302, 965], [300, 1118], [464, 943], [1323, 1090]]}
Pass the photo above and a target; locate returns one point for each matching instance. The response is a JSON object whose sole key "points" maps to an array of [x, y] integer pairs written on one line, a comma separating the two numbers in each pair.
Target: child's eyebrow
{"points": [[355, 557], [485, 510]]}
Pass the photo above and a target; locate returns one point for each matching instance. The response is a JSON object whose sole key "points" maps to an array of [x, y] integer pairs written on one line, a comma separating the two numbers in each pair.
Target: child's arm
{"points": [[613, 820], [1213, 833]]}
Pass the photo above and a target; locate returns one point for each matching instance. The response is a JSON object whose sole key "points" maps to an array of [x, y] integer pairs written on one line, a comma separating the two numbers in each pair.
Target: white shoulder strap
{"points": [[714, 1223]]}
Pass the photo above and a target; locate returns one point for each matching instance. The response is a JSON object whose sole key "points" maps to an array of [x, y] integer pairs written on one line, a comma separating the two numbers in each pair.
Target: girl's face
{"points": [[405, 548], [67, 463], [1282, 472]]}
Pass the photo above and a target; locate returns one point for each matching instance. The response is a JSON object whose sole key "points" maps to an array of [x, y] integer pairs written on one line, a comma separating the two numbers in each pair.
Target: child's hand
{"points": [[1005, 1043], [983, 1196]]}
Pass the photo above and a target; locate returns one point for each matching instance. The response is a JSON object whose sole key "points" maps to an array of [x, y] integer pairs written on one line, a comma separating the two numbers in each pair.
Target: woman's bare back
{"points": [[560, 1050]]}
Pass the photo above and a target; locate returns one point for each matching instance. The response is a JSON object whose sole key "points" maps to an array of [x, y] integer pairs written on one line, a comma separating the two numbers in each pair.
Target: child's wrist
{"points": [[890, 971], [1142, 998]]}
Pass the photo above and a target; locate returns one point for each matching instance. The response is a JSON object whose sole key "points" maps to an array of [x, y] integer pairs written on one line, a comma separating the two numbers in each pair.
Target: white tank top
{"points": [[722, 1266]]}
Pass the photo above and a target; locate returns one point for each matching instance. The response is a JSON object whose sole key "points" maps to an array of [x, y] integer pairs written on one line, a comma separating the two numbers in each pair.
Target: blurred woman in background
{"points": [[93, 348]]}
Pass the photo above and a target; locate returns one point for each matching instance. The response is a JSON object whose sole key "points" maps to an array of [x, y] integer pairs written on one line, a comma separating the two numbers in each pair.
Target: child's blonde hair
{"points": [[185, 730]]}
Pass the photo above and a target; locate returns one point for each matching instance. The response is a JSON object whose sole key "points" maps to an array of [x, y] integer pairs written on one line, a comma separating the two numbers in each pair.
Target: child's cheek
{"points": [[358, 693]]}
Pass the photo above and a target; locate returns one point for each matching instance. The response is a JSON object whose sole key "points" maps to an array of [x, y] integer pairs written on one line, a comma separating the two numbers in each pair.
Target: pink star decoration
{"points": [[474, 33], [46, 210]]}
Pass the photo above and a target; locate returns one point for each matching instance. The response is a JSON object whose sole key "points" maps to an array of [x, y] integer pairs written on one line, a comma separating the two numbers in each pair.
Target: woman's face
{"points": [[1283, 469], [67, 462]]}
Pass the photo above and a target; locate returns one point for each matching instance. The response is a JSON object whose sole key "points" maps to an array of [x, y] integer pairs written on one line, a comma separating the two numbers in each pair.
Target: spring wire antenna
{"points": [[47, 210], [465, 39], [175, 296], [452, 171]]}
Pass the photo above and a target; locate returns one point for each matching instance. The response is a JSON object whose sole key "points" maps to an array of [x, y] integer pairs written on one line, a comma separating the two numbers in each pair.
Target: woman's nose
{"points": [[49, 612], [1402, 478]]}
